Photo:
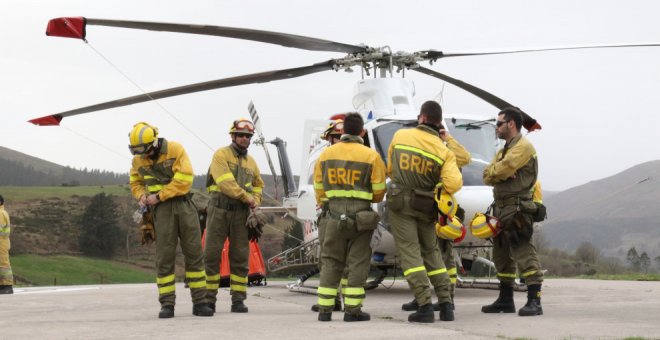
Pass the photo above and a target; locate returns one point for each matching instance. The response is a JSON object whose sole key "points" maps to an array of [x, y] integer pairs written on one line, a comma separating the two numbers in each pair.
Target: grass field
{"points": [[72, 270], [17, 194]]}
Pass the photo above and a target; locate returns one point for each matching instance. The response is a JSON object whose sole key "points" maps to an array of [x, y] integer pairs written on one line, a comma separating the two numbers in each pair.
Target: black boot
{"points": [[336, 308], [166, 312], [446, 311], [533, 305], [359, 316], [238, 307], [413, 305], [503, 304], [424, 314], [202, 309], [212, 306], [325, 316], [6, 289], [410, 306]]}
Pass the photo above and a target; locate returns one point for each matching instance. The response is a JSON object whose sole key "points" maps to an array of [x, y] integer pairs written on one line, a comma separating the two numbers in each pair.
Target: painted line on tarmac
{"points": [[46, 290]]}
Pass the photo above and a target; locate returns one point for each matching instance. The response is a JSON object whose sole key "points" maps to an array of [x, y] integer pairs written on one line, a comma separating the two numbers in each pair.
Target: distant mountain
{"points": [[35, 163], [19, 169], [614, 213]]}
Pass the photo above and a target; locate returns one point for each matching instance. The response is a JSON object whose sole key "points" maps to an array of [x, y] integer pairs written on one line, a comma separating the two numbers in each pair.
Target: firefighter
{"points": [[350, 176], [332, 134], [6, 276], [418, 162], [463, 158], [235, 185], [161, 177], [513, 174]]}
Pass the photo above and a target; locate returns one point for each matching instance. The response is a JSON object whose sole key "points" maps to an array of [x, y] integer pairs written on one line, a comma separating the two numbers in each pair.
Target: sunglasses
{"points": [[500, 122], [243, 135]]}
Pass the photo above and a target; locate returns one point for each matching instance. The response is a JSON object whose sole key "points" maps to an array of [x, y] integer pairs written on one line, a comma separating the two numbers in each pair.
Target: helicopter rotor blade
{"points": [[528, 122], [262, 77], [257, 126], [437, 54], [75, 27]]}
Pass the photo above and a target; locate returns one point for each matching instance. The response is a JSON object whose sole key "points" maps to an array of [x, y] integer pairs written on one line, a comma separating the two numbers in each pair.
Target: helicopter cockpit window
{"points": [[384, 133], [478, 137]]}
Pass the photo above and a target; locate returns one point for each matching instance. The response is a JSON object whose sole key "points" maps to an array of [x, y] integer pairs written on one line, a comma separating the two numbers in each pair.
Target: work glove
{"points": [[255, 224], [146, 225]]}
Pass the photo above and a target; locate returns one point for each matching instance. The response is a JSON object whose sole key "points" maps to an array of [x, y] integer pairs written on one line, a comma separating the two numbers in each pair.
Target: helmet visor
{"points": [[139, 149]]}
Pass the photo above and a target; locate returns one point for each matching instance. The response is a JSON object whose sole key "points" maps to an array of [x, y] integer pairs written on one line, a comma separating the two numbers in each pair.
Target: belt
{"points": [[223, 204], [233, 207], [183, 198]]}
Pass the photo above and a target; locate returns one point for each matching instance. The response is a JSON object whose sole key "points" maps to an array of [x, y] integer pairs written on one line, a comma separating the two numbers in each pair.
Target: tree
{"points": [[100, 235], [644, 262], [657, 260], [293, 239], [633, 258], [587, 253]]}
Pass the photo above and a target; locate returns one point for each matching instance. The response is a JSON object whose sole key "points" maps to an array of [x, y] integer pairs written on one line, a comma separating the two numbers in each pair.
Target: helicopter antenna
{"points": [[261, 141], [441, 95]]}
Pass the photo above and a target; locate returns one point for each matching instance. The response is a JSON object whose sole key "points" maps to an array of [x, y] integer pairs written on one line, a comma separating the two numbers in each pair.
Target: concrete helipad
{"points": [[574, 309]]}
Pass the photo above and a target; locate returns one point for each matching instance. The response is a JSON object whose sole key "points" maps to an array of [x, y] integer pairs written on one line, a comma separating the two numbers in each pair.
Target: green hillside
{"points": [[36, 270]]}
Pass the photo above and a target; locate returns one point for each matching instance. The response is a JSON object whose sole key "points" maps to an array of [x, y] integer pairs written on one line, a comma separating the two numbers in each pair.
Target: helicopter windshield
{"points": [[478, 137], [384, 133]]}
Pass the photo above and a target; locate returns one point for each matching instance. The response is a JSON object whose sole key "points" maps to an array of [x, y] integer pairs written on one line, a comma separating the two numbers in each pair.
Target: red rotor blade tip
{"points": [[70, 27]]}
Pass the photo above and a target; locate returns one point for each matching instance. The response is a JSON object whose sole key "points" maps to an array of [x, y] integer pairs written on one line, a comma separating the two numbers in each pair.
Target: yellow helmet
{"points": [[450, 228], [334, 128], [142, 138], [484, 226], [242, 125], [446, 202]]}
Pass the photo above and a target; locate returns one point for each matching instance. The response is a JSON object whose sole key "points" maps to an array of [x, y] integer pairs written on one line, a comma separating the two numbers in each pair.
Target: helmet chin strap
{"points": [[239, 149]]}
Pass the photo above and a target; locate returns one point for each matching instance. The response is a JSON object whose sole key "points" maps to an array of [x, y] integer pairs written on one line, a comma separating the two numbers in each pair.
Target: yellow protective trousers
{"points": [[344, 248], [222, 224], [176, 219], [6, 276], [417, 244]]}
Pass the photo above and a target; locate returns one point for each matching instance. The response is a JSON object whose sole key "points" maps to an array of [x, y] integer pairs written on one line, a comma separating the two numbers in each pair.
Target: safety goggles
{"points": [[244, 125], [337, 129], [139, 149]]}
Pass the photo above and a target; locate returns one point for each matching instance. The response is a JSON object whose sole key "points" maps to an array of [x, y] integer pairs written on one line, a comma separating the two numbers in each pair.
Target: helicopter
{"points": [[384, 97]]}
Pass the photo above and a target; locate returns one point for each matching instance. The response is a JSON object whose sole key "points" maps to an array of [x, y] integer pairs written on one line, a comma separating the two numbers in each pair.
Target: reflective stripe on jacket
{"points": [[418, 159], [518, 157], [235, 176], [349, 169], [169, 176], [537, 193]]}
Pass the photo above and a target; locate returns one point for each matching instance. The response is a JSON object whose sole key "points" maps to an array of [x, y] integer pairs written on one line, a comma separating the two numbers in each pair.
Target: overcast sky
{"points": [[598, 108]]}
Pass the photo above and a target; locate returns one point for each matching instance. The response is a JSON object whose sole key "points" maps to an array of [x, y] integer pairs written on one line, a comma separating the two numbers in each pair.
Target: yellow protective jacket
{"points": [[463, 156], [349, 169], [418, 159], [513, 171], [235, 176], [537, 194], [5, 225], [169, 176]]}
